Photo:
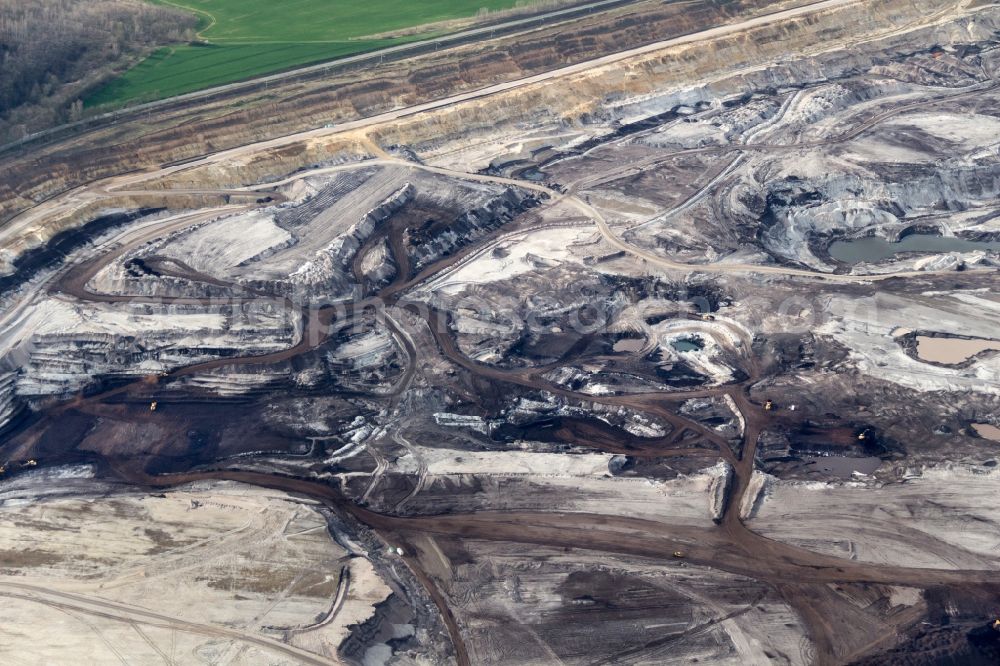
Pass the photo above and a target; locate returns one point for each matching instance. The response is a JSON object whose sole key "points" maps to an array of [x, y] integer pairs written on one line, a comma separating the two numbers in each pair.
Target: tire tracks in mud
{"points": [[110, 610], [730, 547]]}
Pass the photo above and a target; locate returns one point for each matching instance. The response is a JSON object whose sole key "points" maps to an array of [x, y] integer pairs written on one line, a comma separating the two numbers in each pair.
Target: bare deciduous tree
{"points": [[52, 51]]}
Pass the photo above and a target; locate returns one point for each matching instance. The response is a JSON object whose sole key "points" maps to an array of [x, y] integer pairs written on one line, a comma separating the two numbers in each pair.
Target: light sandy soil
{"points": [[217, 247], [528, 481], [516, 257], [866, 325], [893, 523], [210, 573], [445, 462]]}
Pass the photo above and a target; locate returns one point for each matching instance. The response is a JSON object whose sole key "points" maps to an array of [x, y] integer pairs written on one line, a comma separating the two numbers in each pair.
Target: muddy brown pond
{"points": [[951, 350], [987, 431]]}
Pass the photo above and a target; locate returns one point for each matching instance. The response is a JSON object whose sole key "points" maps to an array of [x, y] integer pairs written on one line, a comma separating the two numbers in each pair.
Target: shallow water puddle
{"points": [[987, 431], [951, 350]]}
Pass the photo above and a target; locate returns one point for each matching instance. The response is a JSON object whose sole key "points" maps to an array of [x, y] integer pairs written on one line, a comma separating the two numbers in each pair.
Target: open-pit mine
{"points": [[658, 333]]}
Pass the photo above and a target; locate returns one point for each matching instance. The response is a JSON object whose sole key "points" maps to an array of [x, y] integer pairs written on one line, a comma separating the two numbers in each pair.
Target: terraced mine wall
{"points": [[471, 225], [653, 85], [310, 73], [728, 66], [199, 128], [331, 265], [30, 263]]}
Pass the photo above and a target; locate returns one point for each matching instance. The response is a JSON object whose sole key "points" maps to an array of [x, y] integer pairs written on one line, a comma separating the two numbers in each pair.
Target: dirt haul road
{"points": [[729, 547], [131, 614], [89, 193], [797, 573]]}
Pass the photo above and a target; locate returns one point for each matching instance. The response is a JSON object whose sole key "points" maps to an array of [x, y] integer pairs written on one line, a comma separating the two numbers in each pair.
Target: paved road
{"points": [[505, 28], [74, 198], [127, 183], [729, 547]]}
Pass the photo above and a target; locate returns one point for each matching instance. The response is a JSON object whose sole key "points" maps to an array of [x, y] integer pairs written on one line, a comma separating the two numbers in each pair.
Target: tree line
{"points": [[53, 51]]}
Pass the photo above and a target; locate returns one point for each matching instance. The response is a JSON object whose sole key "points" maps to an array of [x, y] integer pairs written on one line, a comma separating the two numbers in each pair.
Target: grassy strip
{"points": [[177, 70], [324, 20], [248, 38]]}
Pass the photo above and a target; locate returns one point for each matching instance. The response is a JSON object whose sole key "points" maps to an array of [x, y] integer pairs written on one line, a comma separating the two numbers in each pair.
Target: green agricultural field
{"points": [[247, 38]]}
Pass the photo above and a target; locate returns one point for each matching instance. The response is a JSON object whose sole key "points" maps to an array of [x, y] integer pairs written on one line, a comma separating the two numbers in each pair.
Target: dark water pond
{"points": [[687, 344], [872, 248]]}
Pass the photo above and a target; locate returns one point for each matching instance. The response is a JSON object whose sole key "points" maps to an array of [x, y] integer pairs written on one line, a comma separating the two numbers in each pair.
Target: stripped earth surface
{"points": [[581, 367]]}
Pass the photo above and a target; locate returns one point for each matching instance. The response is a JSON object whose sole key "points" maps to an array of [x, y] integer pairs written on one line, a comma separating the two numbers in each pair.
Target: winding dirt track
{"points": [[88, 193], [730, 547], [795, 572], [126, 613]]}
